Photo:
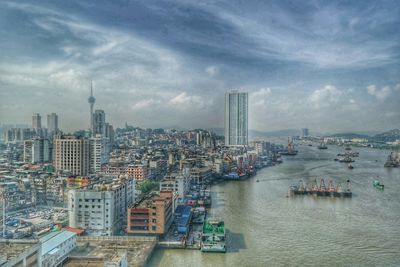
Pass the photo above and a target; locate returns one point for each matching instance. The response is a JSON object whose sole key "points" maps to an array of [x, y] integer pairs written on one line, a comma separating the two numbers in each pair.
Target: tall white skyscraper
{"points": [[236, 118], [52, 123]]}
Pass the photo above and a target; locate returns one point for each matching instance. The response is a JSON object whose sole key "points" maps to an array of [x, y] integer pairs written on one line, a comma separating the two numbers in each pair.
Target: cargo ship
{"points": [[290, 150], [213, 236], [321, 190]]}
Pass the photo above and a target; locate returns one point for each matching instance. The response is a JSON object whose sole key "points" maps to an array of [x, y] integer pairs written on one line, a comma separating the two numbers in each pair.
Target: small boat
{"points": [[257, 180], [350, 166], [378, 185], [336, 159]]}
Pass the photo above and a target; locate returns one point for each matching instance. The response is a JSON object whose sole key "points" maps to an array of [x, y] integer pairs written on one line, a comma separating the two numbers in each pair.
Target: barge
{"points": [[213, 236], [321, 190]]}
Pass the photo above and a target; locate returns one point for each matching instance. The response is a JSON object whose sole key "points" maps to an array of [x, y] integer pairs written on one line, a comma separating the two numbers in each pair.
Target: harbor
{"points": [[264, 227]]}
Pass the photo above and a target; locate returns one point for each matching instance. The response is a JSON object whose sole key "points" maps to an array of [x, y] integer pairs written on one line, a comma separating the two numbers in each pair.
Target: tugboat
{"points": [[378, 184]]}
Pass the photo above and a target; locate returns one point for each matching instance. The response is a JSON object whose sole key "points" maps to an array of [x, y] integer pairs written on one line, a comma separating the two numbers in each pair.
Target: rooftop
{"points": [[51, 241]]}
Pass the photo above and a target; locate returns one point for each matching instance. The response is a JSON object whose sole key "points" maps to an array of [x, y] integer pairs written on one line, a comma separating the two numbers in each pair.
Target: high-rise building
{"points": [[71, 154], [110, 133], [99, 122], [36, 121], [91, 101], [236, 118], [37, 150], [99, 153], [304, 132], [52, 123]]}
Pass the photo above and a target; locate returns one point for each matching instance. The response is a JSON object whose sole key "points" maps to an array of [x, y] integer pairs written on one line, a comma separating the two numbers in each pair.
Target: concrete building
{"points": [[236, 119], [99, 122], [36, 121], [20, 253], [16, 135], [176, 182], [72, 155], [139, 172], [304, 132], [56, 247], [101, 210], [99, 153], [37, 150], [52, 124], [152, 215]]}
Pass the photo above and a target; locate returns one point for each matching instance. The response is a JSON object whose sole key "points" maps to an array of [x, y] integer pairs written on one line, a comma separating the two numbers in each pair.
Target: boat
{"points": [[289, 151], [257, 180], [322, 146], [321, 190], [393, 160], [378, 184], [350, 166], [213, 236], [346, 159], [348, 148], [336, 159]]}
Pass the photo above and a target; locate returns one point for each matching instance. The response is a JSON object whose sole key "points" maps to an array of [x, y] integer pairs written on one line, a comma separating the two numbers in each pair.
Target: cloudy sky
{"points": [[328, 66]]}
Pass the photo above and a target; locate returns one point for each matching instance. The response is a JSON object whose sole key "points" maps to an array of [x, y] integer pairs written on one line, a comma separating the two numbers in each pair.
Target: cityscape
{"points": [[166, 133]]}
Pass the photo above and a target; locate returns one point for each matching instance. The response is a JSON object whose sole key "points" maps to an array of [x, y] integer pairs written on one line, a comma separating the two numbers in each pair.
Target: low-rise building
{"points": [[18, 253], [56, 247], [139, 172], [151, 215]]}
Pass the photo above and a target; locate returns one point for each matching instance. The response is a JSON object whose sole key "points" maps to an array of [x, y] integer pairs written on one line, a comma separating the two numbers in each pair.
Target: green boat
{"points": [[378, 184], [213, 236]]}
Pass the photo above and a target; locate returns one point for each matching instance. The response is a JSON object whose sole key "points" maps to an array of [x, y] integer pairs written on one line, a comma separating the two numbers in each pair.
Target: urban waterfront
{"points": [[266, 228]]}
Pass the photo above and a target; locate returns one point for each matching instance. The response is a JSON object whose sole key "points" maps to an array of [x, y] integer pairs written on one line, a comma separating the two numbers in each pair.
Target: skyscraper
{"points": [[36, 121], [99, 122], [236, 118], [71, 154], [91, 101], [52, 123]]}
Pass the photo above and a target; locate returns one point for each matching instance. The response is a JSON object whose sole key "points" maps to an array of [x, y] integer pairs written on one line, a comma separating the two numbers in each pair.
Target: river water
{"points": [[265, 228]]}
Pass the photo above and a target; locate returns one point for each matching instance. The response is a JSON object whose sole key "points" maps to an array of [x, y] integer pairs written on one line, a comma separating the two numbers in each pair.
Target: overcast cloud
{"points": [[327, 66]]}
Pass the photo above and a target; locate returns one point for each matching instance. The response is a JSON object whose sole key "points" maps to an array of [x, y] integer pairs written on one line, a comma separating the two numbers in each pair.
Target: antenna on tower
{"points": [[91, 87]]}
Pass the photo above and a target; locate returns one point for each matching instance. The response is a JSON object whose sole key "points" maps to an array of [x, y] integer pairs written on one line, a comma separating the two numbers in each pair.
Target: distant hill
{"points": [[255, 133], [350, 135], [388, 136]]}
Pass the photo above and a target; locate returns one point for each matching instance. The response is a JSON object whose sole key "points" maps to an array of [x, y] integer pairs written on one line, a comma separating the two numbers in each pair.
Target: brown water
{"points": [[265, 228]]}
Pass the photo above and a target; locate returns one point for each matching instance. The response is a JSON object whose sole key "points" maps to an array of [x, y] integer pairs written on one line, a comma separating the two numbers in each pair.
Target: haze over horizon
{"points": [[331, 67]]}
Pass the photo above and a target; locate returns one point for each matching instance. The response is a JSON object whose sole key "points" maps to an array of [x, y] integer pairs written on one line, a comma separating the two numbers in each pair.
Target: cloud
{"points": [[260, 98], [212, 71], [380, 94], [325, 96], [397, 87]]}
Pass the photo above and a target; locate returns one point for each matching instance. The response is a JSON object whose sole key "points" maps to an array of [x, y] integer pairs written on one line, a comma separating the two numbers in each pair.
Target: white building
{"points": [[37, 150], [99, 153], [102, 210], [176, 182], [236, 119], [52, 123], [56, 247]]}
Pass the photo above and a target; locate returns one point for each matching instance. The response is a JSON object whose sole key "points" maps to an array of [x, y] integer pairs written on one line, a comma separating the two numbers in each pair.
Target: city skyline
{"points": [[331, 68]]}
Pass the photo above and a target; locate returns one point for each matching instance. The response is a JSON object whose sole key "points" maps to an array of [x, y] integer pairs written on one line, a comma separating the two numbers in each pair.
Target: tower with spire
{"points": [[91, 101]]}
